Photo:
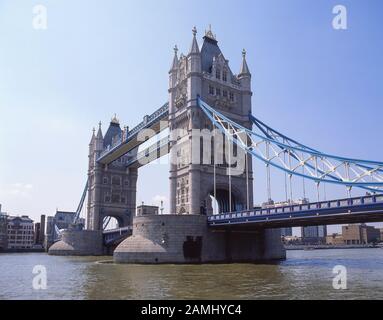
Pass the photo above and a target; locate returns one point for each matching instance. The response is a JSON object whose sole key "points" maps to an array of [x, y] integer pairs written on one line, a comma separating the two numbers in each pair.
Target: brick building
{"points": [[360, 234], [335, 239], [20, 233]]}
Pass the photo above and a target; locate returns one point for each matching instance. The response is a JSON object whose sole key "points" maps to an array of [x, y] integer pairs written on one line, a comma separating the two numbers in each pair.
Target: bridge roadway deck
{"points": [[116, 235], [157, 122], [355, 210]]}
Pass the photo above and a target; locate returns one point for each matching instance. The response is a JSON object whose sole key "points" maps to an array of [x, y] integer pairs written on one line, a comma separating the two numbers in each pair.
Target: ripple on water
{"points": [[305, 275]]}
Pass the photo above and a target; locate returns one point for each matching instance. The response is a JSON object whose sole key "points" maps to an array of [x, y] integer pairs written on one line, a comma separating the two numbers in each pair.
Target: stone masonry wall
{"points": [[161, 239], [78, 243]]}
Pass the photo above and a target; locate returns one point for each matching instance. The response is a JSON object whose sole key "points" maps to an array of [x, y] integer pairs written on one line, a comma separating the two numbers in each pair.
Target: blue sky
{"points": [[318, 85]]}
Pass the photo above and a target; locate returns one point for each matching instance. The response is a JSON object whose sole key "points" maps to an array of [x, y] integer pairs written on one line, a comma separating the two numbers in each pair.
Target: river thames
{"points": [[304, 275]]}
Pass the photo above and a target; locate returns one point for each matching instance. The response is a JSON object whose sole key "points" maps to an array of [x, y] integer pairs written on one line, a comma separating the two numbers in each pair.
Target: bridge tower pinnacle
{"points": [[206, 74]]}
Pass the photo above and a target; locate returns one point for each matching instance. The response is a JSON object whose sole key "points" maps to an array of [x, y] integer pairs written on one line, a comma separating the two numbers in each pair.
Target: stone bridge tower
{"points": [[111, 188], [206, 73]]}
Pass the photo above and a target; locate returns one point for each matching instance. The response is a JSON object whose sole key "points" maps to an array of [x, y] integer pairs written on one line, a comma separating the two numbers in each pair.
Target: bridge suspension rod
{"points": [[301, 156]]}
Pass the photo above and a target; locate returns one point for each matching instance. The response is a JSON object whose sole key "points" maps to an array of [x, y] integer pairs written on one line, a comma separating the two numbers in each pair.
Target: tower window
{"points": [[224, 75], [211, 90], [116, 198], [116, 181], [218, 74]]}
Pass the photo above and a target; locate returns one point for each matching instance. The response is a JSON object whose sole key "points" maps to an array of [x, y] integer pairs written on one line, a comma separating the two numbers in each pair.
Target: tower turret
{"points": [[174, 69], [244, 75], [99, 141], [244, 78]]}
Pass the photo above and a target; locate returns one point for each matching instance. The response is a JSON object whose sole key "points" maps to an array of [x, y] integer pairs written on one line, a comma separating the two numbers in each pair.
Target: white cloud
{"points": [[20, 189]]}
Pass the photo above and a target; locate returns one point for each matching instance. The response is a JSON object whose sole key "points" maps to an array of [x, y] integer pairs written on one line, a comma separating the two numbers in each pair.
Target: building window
{"points": [[211, 90], [231, 96], [224, 93], [116, 198], [107, 198], [126, 182], [224, 75], [218, 92], [116, 181], [105, 180], [218, 74]]}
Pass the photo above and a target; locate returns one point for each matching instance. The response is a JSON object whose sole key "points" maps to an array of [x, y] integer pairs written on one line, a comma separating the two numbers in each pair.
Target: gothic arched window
{"points": [[218, 73], [116, 181], [224, 75], [116, 198]]}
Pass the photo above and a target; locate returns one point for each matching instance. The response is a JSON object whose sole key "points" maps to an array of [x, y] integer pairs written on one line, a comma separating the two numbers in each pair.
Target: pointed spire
{"points": [[175, 59], [194, 47], [209, 34], [244, 67], [99, 133], [93, 135], [115, 120]]}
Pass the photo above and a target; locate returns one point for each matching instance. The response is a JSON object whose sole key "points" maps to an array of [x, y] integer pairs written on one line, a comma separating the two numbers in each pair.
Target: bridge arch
{"points": [[110, 223], [116, 219], [221, 203]]}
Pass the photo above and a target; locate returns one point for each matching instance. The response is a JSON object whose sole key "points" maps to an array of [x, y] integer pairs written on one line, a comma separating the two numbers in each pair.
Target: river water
{"points": [[304, 275]]}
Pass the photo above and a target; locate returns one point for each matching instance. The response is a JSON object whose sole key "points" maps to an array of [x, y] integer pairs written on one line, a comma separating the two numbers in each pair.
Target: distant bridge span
{"points": [[346, 211]]}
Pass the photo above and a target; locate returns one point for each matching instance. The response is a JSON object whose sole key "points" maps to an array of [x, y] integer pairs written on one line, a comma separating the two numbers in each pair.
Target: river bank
{"points": [[34, 250], [330, 247]]}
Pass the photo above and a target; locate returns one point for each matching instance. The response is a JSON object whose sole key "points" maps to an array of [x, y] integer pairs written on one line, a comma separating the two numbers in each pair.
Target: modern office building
{"points": [[314, 235]]}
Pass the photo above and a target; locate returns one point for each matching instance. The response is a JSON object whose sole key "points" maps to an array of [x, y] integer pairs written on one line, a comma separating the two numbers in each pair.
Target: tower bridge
{"points": [[212, 216]]}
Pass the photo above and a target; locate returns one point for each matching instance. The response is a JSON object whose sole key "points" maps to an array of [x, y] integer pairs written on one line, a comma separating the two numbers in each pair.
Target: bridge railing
{"points": [[118, 230], [110, 236], [295, 208], [148, 121]]}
